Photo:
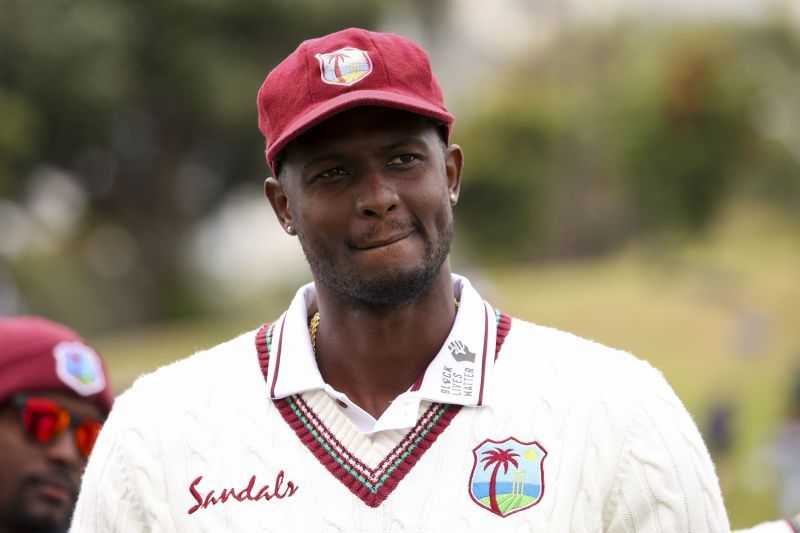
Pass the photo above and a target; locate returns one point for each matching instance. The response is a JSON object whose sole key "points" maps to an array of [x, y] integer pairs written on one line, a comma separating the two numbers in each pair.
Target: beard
{"points": [[391, 288], [17, 514]]}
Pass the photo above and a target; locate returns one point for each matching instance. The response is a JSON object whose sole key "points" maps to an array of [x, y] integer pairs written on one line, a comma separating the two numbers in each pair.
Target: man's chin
{"points": [[39, 513], [374, 284], [40, 524], [390, 289]]}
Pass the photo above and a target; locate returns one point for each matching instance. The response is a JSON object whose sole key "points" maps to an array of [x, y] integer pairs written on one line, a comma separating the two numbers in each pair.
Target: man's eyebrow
{"points": [[335, 155], [404, 142], [316, 160]]}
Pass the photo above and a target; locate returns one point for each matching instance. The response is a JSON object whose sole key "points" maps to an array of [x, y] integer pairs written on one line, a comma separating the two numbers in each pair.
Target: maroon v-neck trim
{"points": [[370, 485]]}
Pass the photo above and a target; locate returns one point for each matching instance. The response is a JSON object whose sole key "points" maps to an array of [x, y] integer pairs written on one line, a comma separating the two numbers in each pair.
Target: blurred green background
{"points": [[632, 175]]}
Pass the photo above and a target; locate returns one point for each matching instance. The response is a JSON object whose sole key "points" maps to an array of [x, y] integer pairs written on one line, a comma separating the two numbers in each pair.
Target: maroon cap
{"points": [[346, 69], [39, 355]]}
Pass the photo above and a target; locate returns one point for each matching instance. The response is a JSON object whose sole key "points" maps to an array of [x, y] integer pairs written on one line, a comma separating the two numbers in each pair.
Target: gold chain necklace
{"points": [[314, 325], [312, 329]]}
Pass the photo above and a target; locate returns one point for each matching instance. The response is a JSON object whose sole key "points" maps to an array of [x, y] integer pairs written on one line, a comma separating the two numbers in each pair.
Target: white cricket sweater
{"points": [[199, 446]]}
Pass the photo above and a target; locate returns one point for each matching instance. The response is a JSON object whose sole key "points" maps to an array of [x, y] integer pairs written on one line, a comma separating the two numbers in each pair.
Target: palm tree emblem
{"points": [[497, 457], [345, 66], [508, 475], [336, 59]]}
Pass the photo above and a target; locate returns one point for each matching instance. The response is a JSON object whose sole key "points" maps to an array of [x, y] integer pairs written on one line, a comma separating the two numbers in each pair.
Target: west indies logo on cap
{"points": [[79, 367], [345, 66]]}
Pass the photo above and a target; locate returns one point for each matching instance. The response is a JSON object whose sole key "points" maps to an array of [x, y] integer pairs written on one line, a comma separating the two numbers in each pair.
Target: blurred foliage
{"points": [[628, 131], [150, 107], [140, 118]]}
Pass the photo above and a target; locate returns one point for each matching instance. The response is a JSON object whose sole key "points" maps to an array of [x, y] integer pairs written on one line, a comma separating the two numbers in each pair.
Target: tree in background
{"points": [[622, 132], [149, 107]]}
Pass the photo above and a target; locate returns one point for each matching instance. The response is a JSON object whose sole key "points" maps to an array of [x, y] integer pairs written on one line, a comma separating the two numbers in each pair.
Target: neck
{"points": [[373, 355]]}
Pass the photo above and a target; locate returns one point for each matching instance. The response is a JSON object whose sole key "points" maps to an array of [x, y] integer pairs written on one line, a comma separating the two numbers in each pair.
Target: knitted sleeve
{"points": [[665, 480], [119, 488]]}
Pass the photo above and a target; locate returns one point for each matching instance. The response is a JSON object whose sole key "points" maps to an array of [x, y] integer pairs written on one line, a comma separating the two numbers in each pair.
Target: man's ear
{"points": [[454, 165], [273, 190]]}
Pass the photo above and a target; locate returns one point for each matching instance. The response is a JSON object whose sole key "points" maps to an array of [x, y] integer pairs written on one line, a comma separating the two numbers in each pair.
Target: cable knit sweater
{"points": [[199, 446]]}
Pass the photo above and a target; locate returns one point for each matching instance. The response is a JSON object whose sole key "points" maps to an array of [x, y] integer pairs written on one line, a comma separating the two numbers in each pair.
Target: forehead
{"points": [[360, 127]]}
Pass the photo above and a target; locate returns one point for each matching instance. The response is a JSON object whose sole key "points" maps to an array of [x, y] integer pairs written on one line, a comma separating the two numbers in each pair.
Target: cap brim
{"points": [[349, 100]]}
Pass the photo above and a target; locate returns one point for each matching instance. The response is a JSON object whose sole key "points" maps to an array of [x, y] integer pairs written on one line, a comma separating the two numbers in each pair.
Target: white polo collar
{"points": [[459, 374]]}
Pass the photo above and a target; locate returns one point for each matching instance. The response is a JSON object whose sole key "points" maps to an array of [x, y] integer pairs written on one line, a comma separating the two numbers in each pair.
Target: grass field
{"points": [[508, 502], [718, 315]]}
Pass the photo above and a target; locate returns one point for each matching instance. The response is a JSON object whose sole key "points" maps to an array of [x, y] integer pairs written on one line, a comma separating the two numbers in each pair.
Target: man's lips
{"points": [[386, 241], [56, 489]]}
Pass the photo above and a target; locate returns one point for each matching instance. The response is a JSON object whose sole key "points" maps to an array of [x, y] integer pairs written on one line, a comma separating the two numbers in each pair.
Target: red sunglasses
{"points": [[46, 419]]}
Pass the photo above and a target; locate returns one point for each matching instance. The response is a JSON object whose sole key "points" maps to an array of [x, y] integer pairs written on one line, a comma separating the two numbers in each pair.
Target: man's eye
{"points": [[402, 159], [332, 172]]}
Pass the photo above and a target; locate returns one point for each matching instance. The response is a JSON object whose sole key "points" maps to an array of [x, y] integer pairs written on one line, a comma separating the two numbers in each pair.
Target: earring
{"points": [[290, 229], [453, 198]]}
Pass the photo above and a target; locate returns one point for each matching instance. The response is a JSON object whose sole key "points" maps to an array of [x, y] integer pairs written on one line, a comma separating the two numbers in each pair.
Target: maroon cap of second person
{"points": [[346, 69], [37, 354]]}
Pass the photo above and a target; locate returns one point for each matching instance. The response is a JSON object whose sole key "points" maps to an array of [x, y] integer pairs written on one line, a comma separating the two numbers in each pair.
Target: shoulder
{"points": [[218, 371], [584, 380], [191, 405], [624, 406], [574, 360]]}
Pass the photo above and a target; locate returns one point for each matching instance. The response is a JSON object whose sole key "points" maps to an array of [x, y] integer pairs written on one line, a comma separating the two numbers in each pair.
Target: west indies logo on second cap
{"points": [[79, 367], [507, 476], [345, 66]]}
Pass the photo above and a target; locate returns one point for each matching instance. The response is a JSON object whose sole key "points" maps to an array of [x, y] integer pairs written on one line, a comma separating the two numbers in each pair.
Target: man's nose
{"points": [[64, 450], [377, 196]]}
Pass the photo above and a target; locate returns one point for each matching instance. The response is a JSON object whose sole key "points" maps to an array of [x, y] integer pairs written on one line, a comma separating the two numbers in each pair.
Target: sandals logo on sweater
{"points": [[253, 491], [507, 476]]}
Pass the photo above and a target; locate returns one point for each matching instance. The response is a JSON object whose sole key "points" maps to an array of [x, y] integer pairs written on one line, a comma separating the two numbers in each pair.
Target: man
{"points": [[390, 396], [54, 395]]}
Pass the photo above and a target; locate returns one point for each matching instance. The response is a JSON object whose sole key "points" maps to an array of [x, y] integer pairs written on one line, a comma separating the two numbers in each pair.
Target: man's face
{"points": [[39, 482], [368, 192]]}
